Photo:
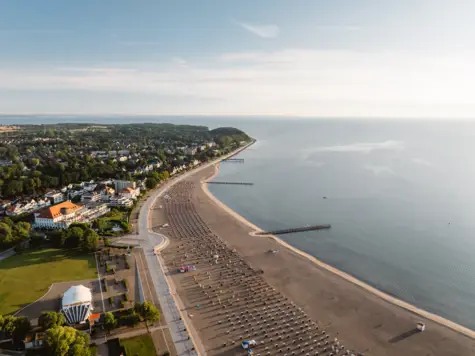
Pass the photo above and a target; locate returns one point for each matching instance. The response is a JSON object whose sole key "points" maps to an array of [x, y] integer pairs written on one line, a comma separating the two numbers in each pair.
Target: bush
{"points": [[127, 264], [111, 301], [131, 319], [124, 282]]}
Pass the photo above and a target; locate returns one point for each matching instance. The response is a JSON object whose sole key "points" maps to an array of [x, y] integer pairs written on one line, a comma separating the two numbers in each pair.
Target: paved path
{"points": [[128, 334], [148, 241], [184, 337]]}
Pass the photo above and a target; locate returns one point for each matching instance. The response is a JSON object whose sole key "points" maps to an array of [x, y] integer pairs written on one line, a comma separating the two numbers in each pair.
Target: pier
{"points": [[234, 160], [234, 183], [296, 229]]}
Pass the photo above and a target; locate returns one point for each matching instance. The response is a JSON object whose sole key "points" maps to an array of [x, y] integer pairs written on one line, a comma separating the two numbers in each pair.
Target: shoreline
{"points": [[368, 288]]}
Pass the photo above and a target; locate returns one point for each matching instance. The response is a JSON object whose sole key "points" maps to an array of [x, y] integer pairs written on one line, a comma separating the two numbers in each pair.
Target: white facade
{"points": [[55, 197], [76, 304], [64, 217], [92, 196], [130, 193], [121, 184], [121, 202]]}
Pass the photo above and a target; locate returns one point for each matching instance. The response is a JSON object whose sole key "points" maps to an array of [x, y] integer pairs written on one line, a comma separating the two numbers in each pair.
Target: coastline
{"points": [[386, 297]]}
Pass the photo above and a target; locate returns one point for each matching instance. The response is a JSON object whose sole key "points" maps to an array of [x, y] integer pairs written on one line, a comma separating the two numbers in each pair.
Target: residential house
{"points": [[130, 193], [122, 202], [55, 197], [26, 207], [91, 196], [191, 151], [121, 184]]}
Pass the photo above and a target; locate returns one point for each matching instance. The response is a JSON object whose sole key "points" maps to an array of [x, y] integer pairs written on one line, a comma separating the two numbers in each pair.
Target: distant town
{"points": [[54, 175]]}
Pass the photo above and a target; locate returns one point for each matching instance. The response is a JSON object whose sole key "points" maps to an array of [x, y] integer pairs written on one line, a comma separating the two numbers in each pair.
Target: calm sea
{"points": [[399, 195]]}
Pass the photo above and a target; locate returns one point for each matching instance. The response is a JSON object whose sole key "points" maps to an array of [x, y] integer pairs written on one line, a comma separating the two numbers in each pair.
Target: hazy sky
{"points": [[374, 58]]}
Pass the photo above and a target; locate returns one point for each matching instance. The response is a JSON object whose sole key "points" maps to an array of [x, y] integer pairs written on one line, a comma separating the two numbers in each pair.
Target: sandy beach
{"points": [[361, 318]]}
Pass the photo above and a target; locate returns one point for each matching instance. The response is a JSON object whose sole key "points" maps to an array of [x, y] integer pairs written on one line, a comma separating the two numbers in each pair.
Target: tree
{"points": [[110, 321], [151, 182], [90, 241], [8, 221], [129, 319], [100, 224], [49, 320], [21, 327], [57, 238], [22, 229], [74, 236], [65, 340], [147, 311], [16, 327], [13, 188], [6, 236], [164, 175]]}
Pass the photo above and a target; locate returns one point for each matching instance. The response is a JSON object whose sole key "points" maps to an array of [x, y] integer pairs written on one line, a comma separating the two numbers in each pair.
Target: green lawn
{"points": [[27, 276], [139, 346]]}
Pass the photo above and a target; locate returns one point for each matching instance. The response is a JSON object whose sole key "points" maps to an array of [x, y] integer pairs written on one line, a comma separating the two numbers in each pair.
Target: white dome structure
{"points": [[77, 304]]}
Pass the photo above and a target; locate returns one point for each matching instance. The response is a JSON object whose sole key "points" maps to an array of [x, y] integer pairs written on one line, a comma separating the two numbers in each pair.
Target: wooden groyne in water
{"points": [[296, 229], [234, 160], [234, 183]]}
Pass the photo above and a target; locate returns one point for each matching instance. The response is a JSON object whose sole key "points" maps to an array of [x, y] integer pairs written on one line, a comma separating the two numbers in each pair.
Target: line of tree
{"points": [[75, 236], [11, 233], [44, 158]]}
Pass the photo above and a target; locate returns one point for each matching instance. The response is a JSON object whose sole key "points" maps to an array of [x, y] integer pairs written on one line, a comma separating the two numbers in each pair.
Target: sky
{"points": [[317, 58]]}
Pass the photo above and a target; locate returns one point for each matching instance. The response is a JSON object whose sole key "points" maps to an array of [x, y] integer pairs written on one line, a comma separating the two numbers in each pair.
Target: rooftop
{"points": [[54, 211]]}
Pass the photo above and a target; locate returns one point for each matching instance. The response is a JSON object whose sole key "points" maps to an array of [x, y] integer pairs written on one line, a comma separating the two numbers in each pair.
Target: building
{"points": [[55, 197], [34, 340], [121, 184], [62, 215], [107, 194], [130, 193], [120, 202], [90, 197], [76, 304], [191, 151], [26, 207]]}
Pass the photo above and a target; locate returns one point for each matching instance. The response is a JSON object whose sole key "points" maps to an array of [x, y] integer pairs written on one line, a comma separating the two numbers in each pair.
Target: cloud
{"points": [[363, 147], [264, 31], [421, 161], [290, 82], [379, 170]]}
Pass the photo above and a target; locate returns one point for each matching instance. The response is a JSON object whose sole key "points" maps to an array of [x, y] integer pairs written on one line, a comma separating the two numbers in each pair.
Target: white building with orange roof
{"points": [[61, 215]]}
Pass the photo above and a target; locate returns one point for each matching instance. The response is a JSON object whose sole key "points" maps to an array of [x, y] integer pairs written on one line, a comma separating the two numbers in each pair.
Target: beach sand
{"points": [[363, 319]]}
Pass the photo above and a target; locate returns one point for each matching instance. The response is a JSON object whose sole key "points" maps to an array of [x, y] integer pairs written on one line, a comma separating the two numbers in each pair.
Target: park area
{"points": [[114, 223], [139, 346], [26, 276]]}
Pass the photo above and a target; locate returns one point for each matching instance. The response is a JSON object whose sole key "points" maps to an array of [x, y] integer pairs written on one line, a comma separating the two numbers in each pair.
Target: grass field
{"points": [[27, 276], [139, 346]]}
